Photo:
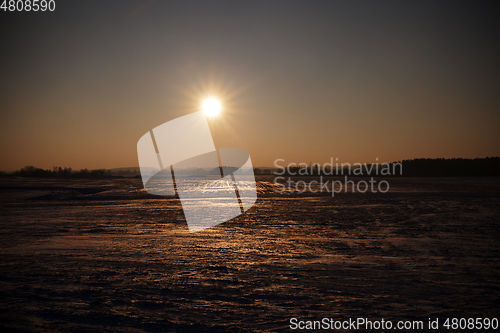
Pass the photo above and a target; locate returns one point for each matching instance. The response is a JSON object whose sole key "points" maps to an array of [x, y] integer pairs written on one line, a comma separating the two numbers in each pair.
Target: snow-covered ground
{"points": [[104, 255]]}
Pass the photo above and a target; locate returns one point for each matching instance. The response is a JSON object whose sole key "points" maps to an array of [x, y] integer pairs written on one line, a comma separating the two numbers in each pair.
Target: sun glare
{"points": [[211, 107]]}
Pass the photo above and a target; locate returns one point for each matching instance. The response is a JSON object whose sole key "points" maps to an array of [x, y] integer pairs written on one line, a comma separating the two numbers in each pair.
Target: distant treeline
{"points": [[453, 167], [58, 172], [419, 167]]}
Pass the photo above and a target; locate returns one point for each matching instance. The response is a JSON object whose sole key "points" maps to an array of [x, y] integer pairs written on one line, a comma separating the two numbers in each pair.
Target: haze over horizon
{"points": [[300, 81]]}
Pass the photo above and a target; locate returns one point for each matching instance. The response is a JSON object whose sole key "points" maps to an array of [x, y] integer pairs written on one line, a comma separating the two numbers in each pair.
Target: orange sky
{"points": [[299, 81]]}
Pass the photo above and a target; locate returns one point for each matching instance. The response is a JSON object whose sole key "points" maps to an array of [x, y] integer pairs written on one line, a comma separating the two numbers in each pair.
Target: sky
{"points": [[302, 81]]}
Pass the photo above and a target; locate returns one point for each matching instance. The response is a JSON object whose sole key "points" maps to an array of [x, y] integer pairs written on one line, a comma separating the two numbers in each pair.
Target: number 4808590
{"points": [[28, 5]]}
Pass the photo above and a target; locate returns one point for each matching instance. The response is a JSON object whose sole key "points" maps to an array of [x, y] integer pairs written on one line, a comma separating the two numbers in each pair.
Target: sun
{"points": [[211, 107]]}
